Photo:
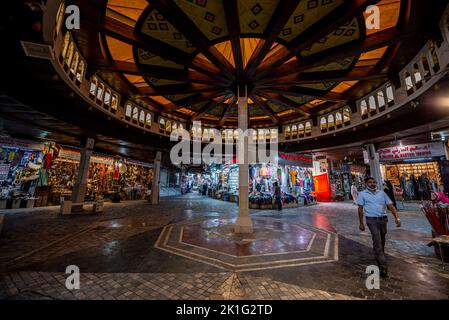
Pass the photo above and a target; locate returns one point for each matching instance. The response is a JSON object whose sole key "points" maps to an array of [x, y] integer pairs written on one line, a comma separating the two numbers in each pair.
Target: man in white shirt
{"points": [[372, 204]]}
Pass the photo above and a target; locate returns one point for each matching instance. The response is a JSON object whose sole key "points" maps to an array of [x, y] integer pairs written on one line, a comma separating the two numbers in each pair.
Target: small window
{"points": [[236, 135], [267, 134], [363, 108], [338, 119], [168, 126], [294, 131], [128, 111], [261, 134], [301, 130], [274, 134], [390, 95], [308, 128], [100, 91], [287, 132], [381, 99], [80, 71], [180, 127], [372, 104], [408, 81], [93, 86], [330, 121], [229, 135], [74, 64], [114, 103], [162, 125], [346, 115], [254, 136], [60, 18], [426, 66], [206, 136], [433, 53], [142, 117], [65, 47], [148, 120], [417, 75], [135, 114], [211, 134], [323, 124], [107, 97], [174, 126], [70, 52]]}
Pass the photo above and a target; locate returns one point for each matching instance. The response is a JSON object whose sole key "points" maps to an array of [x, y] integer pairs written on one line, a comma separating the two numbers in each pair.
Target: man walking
{"points": [[372, 203]]}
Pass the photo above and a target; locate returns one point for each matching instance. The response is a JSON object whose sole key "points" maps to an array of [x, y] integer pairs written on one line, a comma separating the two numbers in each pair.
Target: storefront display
{"points": [[45, 176], [413, 170], [342, 176], [414, 181]]}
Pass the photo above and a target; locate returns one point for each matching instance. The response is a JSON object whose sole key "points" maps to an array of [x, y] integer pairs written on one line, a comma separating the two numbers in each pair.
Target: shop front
{"points": [[413, 170], [342, 176], [292, 173], [20, 171], [42, 174]]}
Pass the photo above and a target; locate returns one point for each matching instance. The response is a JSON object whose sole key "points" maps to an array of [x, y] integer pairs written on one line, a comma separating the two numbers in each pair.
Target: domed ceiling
{"points": [[298, 59]]}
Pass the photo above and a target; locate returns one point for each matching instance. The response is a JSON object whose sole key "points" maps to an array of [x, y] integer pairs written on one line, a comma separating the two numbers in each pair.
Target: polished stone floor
{"points": [[185, 249]]}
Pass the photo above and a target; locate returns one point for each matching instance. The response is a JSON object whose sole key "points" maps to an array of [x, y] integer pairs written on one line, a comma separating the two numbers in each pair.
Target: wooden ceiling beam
{"points": [[233, 23], [197, 98], [281, 100], [178, 18], [227, 110], [280, 17], [181, 75], [265, 108], [307, 92], [372, 42], [357, 73], [126, 34], [314, 33], [173, 89], [210, 105]]}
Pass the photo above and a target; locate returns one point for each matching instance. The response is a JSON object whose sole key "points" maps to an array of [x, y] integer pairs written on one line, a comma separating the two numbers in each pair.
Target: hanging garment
{"points": [[11, 156], [47, 161], [293, 174], [116, 172]]}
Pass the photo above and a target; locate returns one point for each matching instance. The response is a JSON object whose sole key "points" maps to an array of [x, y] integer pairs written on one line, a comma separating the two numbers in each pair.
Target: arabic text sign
{"points": [[412, 151]]}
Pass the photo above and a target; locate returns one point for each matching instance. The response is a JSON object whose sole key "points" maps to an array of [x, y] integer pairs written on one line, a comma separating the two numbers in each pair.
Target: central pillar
{"points": [[80, 187], [243, 223], [156, 177]]}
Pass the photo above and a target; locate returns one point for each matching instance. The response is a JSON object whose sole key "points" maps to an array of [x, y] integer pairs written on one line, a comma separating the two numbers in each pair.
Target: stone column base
{"points": [[243, 225]]}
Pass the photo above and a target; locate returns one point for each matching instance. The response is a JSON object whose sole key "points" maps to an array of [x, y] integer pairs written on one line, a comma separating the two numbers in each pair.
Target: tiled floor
{"points": [[118, 259]]}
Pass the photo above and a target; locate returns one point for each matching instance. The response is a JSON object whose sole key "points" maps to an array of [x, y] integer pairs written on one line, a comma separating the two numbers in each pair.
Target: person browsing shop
{"points": [[372, 204]]}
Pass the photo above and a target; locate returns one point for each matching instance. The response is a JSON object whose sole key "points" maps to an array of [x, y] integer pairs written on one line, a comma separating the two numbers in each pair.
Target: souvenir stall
{"points": [[23, 167], [261, 180], [413, 170], [296, 178], [342, 176]]}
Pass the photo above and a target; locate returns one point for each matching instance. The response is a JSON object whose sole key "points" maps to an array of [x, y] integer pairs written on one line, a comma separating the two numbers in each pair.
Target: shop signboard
{"points": [[416, 151], [21, 144], [286, 159]]}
